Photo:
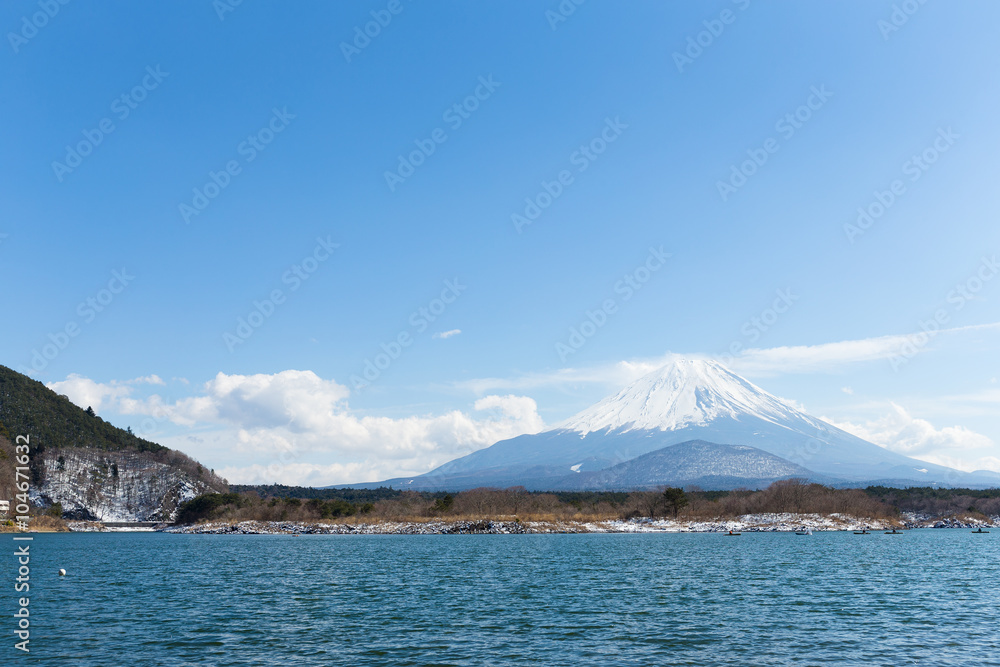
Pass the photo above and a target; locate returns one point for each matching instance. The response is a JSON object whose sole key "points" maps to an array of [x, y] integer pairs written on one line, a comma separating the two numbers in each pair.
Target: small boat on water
{"points": [[732, 534], [803, 532], [980, 530], [863, 531], [893, 532]]}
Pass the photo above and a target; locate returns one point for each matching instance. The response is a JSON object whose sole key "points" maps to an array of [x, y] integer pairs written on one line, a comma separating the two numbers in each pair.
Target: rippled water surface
{"points": [[925, 597]]}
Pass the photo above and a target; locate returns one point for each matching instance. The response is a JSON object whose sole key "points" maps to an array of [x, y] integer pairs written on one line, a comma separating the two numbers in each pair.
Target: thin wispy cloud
{"points": [[754, 362], [447, 334], [620, 373], [834, 356]]}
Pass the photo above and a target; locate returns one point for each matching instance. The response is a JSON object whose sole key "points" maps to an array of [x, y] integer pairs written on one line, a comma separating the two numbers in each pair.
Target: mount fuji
{"points": [[754, 437]]}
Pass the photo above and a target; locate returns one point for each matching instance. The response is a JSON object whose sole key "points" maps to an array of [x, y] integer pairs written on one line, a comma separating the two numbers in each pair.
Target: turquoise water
{"points": [[925, 597]]}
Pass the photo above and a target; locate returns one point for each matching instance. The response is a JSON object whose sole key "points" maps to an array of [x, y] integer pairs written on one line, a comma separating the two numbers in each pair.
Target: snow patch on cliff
{"points": [[116, 486]]}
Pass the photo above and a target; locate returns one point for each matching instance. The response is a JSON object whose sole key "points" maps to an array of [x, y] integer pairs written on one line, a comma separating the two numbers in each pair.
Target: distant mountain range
{"points": [[690, 422]]}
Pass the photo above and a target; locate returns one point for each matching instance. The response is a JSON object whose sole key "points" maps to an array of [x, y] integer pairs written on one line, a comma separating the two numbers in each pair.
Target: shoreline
{"points": [[746, 523]]}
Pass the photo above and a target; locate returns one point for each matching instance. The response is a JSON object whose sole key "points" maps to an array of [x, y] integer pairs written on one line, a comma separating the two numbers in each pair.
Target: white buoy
{"points": [[62, 573]]}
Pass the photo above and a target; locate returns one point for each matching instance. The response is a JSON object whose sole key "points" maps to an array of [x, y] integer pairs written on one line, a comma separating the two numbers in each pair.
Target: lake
{"points": [[927, 596]]}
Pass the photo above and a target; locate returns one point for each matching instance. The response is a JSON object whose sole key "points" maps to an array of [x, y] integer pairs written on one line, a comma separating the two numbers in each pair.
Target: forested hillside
{"points": [[28, 407]]}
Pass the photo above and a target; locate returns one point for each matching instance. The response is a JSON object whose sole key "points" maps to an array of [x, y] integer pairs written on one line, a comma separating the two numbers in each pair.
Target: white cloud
{"points": [[517, 409], [447, 334], [847, 390], [900, 432], [302, 474], [299, 400], [84, 392], [302, 423]]}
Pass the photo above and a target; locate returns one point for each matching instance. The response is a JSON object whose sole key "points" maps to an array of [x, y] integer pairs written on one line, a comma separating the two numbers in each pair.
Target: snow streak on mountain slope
{"points": [[689, 392]]}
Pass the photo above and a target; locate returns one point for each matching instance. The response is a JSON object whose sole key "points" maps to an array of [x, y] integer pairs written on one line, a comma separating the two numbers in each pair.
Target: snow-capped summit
{"points": [[687, 392]]}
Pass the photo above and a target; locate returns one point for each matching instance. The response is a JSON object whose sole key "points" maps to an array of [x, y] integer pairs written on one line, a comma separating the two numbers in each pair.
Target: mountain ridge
{"points": [[687, 400]]}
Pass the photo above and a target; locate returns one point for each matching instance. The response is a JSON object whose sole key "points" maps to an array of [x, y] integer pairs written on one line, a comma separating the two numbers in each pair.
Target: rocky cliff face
{"points": [[99, 485]]}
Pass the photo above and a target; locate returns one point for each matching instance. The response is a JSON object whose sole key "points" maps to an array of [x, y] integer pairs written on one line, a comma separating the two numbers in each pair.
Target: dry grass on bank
{"points": [[40, 524]]}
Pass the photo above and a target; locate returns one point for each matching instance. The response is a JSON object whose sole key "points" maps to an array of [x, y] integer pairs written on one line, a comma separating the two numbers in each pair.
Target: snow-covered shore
{"points": [[745, 523]]}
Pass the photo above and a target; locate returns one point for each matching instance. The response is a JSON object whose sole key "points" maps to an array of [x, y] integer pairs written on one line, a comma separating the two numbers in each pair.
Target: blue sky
{"points": [[249, 159]]}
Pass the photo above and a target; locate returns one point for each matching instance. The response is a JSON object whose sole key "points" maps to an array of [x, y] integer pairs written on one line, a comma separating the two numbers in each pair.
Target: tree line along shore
{"points": [[276, 503], [303, 506]]}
